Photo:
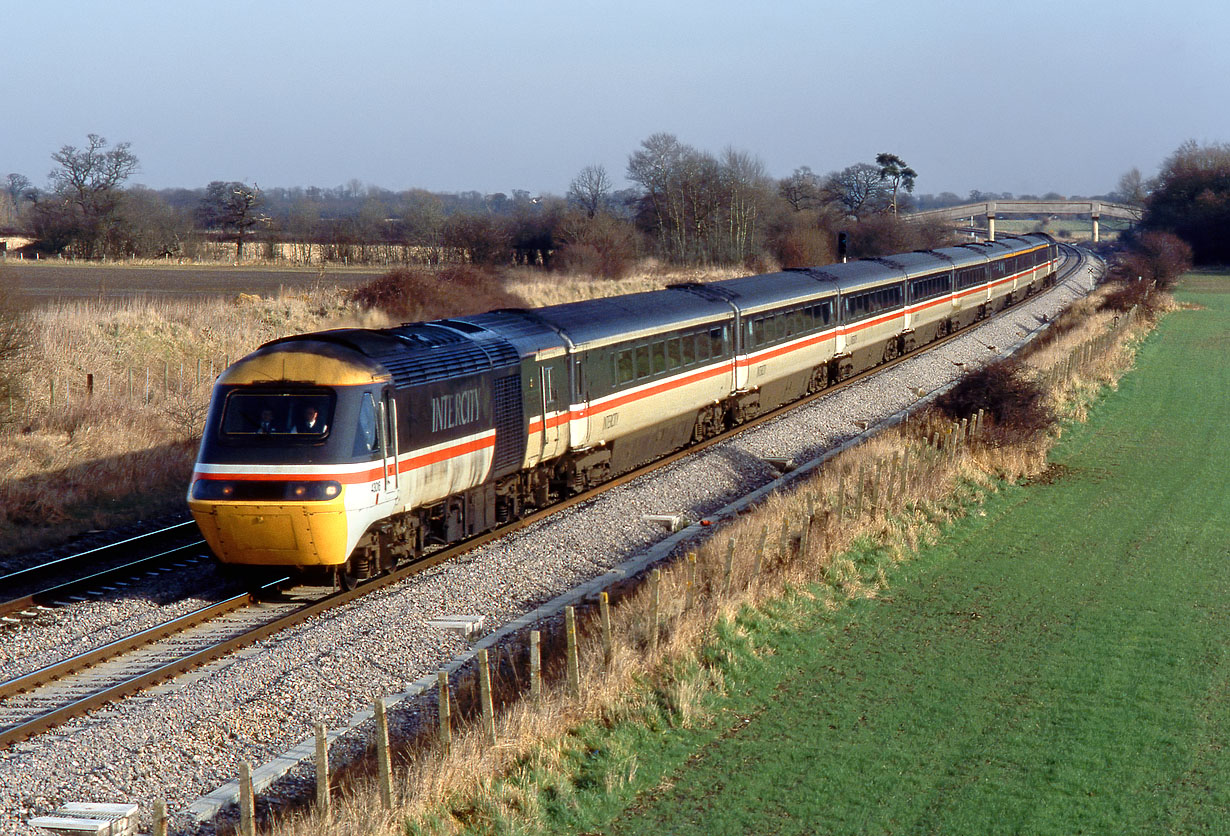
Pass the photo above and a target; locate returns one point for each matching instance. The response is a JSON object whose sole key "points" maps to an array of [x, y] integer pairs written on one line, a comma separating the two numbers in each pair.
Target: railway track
{"points": [[43, 699], [35, 590]]}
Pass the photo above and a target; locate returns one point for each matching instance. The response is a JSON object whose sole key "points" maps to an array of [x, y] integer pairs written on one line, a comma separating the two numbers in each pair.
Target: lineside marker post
{"points": [[536, 664], [384, 764], [574, 664], [875, 490], [608, 638], [442, 698], [247, 804], [322, 771], [160, 818], [655, 615], [906, 461], [484, 693], [729, 571]]}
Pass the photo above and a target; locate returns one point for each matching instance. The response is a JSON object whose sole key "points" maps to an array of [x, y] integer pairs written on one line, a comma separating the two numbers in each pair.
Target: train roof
{"points": [[594, 322], [415, 353], [767, 290], [523, 328]]}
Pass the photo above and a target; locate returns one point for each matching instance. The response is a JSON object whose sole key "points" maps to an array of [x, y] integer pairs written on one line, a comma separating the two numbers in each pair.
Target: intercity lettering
{"points": [[448, 411]]}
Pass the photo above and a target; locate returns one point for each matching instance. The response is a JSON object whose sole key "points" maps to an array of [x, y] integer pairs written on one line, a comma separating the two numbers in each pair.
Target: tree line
{"points": [[685, 206]]}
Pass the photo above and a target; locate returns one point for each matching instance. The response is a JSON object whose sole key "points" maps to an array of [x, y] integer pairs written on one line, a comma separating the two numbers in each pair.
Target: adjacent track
{"points": [[43, 699], [30, 591]]}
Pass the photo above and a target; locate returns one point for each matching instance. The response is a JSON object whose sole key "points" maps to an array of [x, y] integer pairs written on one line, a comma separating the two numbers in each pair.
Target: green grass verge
{"points": [[1056, 664]]}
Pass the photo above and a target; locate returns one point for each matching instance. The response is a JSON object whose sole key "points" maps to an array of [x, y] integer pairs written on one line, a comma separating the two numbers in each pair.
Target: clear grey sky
{"points": [[495, 95]]}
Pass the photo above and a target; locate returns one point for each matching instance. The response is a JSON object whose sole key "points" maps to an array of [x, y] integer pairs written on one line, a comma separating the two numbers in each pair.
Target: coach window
{"points": [[674, 358], [625, 369], [717, 339], [688, 343], [643, 369], [658, 351]]}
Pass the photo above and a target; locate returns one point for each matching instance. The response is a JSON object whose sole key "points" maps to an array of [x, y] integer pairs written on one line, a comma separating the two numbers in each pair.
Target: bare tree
{"points": [[858, 189], [746, 189], [18, 193], [87, 189], [230, 206], [589, 189], [423, 217], [897, 175], [1132, 188], [802, 189]]}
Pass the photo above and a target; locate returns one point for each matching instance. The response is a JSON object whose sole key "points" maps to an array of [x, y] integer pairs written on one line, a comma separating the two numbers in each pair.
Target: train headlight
{"points": [[213, 489], [265, 491], [313, 491]]}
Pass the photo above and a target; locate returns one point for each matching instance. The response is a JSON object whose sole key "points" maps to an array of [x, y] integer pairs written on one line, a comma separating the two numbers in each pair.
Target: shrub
{"points": [[420, 293], [1015, 404], [599, 246]]}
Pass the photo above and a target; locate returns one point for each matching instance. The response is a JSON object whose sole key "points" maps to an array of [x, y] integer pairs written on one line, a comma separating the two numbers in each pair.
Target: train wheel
{"points": [[356, 570]]}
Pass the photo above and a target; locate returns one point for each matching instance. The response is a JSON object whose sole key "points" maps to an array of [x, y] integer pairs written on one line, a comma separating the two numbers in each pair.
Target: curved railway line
{"points": [[42, 699]]}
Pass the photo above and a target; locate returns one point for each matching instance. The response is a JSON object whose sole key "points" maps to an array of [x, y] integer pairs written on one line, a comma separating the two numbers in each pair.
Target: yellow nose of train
{"points": [[289, 452]]}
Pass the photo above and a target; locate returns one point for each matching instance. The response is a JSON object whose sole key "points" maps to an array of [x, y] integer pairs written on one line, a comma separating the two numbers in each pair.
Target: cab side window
{"points": [[366, 439]]}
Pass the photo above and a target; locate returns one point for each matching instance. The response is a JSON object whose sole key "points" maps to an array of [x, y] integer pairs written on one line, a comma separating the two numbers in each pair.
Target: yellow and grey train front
{"points": [[295, 462]]}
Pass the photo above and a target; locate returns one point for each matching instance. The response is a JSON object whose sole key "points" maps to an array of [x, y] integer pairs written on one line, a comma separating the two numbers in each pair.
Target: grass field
{"points": [[1056, 663], [44, 281]]}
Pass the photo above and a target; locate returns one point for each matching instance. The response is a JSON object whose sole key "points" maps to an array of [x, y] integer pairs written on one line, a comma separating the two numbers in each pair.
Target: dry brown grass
{"points": [[808, 538]]}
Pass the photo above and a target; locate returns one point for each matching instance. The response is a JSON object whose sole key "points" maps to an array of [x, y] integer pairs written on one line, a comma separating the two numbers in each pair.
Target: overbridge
{"points": [[991, 209]]}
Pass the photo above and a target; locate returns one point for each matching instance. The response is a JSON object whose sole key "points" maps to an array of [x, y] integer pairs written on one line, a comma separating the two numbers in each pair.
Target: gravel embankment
{"points": [[181, 740]]}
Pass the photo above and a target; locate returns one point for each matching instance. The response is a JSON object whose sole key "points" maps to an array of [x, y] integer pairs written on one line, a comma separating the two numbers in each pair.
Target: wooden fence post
{"points": [[608, 638], [574, 663], [484, 693], [247, 801], [322, 770], [160, 817], [764, 537], [442, 701], [689, 599], [730, 565], [655, 615], [384, 763], [535, 664]]}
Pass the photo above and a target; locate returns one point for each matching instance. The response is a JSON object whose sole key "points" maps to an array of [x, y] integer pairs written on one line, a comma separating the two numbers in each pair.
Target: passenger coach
{"points": [[343, 451]]}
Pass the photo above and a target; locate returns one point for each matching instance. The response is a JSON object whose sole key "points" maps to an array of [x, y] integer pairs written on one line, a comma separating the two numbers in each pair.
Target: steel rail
{"points": [[52, 594]]}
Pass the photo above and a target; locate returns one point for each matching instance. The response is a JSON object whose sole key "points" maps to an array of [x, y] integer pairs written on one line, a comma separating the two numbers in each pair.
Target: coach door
{"points": [[389, 443], [554, 410]]}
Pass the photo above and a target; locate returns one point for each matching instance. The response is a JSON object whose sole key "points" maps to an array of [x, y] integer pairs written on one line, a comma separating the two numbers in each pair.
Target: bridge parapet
{"points": [[992, 209]]}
